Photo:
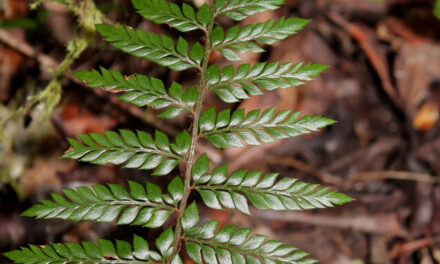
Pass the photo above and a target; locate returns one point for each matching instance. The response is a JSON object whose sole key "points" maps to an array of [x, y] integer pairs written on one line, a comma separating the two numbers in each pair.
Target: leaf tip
{"points": [[104, 29], [341, 198], [28, 213]]}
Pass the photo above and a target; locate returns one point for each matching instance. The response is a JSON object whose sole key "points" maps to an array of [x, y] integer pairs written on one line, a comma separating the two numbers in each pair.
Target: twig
{"points": [[383, 145], [412, 246], [378, 224], [361, 176], [395, 175], [374, 55], [45, 61], [304, 167]]}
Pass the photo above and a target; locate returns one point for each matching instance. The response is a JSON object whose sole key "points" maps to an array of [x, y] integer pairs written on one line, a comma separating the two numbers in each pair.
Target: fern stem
{"points": [[194, 137]]}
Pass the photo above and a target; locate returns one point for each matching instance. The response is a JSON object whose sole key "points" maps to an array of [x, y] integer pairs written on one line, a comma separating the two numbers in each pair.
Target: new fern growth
{"points": [[148, 205]]}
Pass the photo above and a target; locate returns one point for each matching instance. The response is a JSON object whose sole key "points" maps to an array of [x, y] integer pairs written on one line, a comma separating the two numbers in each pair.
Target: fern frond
{"points": [[160, 11], [141, 91], [231, 245], [159, 49], [219, 191], [240, 39], [210, 244], [138, 151], [139, 206], [232, 86], [240, 9], [225, 130], [148, 206], [88, 252]]}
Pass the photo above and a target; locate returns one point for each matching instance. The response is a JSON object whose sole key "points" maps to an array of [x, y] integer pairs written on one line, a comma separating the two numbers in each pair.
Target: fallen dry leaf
{"points": [[416, 67], [426, 117], [75, 120], [43, 174]]}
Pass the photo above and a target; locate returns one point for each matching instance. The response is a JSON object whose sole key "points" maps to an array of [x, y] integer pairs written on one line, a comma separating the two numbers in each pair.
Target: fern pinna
{"points": [[148, 205]]}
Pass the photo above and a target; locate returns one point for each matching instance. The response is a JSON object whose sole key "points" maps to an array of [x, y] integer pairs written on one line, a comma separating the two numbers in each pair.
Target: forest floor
{"points": [[382, 86]]}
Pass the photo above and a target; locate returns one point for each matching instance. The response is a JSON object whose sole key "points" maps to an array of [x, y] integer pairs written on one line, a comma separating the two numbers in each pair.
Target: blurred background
{"points": [[383, 86]]}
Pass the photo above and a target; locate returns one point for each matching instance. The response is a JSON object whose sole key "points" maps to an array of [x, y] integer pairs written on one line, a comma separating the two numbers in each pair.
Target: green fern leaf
{"points": [[190, 216], [240, 9], [142, 91], [219, 191], [224, 130], [136, 151], [139, 206], [239, 39], [165, 242], [88, 252], [176, 260], [232, 86], [159, 49], [231, 245], [160, 12]]}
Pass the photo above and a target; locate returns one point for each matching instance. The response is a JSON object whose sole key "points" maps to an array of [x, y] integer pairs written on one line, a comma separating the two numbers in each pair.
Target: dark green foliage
{"points": [[190, 216], [139, 150], [220, 190], [238, 39], [160, 11], [225, 130], [227, 244], [234, 85], [142, 91], [159, 49], [88, 252], [148, 206], [240, 9], [231, 245]]}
